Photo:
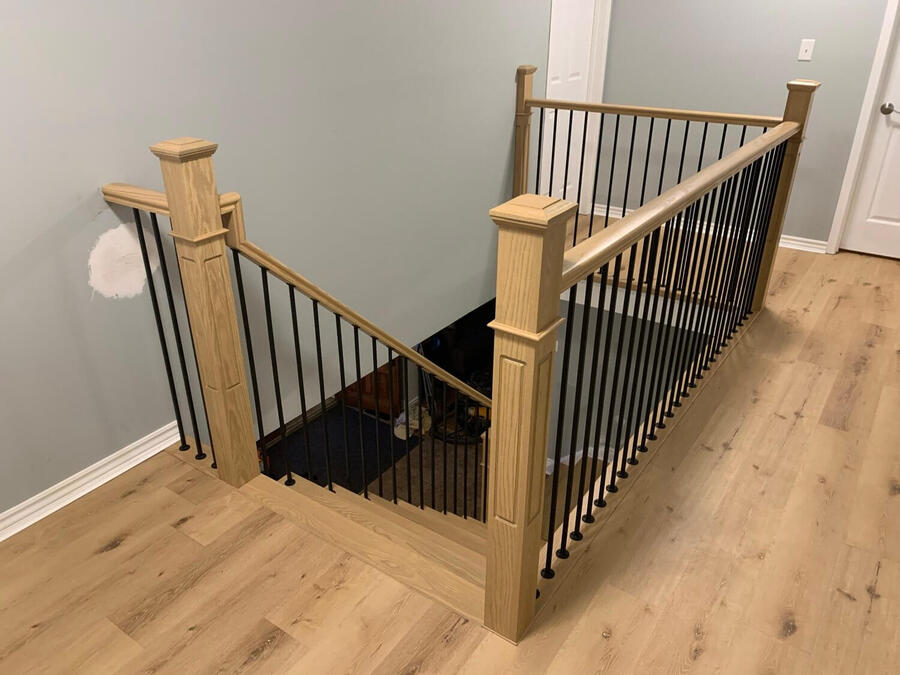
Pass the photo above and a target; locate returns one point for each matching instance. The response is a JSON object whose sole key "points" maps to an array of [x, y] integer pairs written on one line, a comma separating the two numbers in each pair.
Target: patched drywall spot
{"points": [[115, 266]]}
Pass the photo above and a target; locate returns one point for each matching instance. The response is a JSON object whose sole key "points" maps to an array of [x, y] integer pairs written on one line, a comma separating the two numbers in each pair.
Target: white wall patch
{"points": [[115, 267]]}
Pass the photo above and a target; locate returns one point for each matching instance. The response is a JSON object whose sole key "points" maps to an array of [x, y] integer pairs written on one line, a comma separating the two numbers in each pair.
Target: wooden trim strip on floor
{"points": [[422, 559]]}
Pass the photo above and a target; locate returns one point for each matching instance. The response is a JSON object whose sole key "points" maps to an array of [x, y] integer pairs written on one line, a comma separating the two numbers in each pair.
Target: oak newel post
{"points": [[529, 267], [194, 210], [524, 88], [796, 109]]}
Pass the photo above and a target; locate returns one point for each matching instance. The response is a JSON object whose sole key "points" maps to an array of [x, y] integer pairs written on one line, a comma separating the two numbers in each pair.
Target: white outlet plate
{"points": [[806, 49]]}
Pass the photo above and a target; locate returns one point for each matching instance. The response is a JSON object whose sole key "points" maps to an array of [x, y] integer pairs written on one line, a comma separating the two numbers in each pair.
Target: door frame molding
{"points": [[890, 30], [596, 68]]}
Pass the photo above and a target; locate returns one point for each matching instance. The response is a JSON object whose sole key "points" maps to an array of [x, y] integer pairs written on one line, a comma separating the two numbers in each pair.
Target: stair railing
{"points": [[651, 298], [204, 226]]}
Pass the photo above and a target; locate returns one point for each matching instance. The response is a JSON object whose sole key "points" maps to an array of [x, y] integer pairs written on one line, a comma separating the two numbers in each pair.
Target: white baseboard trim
{"points": [[787, 240], [68, 490], [803, 244]]}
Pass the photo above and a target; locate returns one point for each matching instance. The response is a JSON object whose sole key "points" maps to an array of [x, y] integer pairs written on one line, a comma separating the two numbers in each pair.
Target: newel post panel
{"points": [[194, 210], [529, 267], [796, 109], [524, 90]]}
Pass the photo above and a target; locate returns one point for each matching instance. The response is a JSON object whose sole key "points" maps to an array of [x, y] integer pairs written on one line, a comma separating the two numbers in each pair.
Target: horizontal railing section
{"points": [[611, 159], [590, 254], [651, 301], [660, 113]]}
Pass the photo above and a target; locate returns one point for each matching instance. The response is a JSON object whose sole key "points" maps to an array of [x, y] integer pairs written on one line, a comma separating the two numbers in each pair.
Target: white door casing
{"points": [[870, 212], [576, 65]]}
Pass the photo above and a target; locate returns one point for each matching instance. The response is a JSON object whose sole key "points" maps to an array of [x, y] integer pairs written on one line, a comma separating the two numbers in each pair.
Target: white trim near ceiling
{"points": [[866, 115], [68, 490]]}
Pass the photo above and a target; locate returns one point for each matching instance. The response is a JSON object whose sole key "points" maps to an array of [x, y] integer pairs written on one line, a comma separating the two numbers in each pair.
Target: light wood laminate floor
{"points": [[763, 535]]}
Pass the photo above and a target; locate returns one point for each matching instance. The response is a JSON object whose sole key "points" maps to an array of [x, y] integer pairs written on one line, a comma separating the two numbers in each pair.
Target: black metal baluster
{"points": [[721, 239], [547, 571], [688, 366], [687, 127], [159, 328], [568, 154], [642, 370], [733, 225], [444, 434], [248, 339], [377, 417], [420, 381], [626, 297], [589, 421], [645, 277], [601, 390], [465, 480], [576, 414], [612, 173], [598, 324], [762, 228], [770, 204], [540, 155], [180, 349], [596, 175], [359, 412], [278, 402], [406, 412], [340, 348], [684, 287], [553, 151], [580, 177], [323, 409], [475, 466], [484, 481], [614, 291], [712, 272], [612, 487], [677, 252], [704, 299], [390, 363], [304, 417], [656, 364]]}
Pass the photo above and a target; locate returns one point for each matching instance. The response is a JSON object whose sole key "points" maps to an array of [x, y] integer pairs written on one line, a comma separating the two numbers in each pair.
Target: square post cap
{"points": [[533, 212]]}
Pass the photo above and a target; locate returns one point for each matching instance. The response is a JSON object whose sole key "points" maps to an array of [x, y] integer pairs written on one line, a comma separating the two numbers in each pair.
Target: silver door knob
{"points": [[887, 108]]}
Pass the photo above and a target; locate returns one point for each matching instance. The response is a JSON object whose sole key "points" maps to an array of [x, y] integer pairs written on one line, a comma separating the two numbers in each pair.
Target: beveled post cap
{"points": [[184, 149], [533, 211]]}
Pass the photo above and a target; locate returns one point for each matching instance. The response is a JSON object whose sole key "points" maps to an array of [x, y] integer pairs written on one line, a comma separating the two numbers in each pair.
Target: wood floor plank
{"points": [[760, 534]]}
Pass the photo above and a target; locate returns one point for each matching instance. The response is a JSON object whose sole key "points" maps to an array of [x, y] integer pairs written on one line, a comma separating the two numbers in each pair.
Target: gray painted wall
{"points": [[367, 139], [736, 57]]}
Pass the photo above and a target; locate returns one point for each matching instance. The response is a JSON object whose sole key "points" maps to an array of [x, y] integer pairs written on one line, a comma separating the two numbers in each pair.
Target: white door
{"points": [[576, 62], [873, 224]]}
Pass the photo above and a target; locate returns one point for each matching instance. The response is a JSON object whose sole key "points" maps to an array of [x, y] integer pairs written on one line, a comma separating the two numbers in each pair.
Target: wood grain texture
{"points": [[663, 113], [195, 213], [412, 554], [796, 109], [592, 253], [529, 254], [234, 231], [758, 537], [524, 88]]}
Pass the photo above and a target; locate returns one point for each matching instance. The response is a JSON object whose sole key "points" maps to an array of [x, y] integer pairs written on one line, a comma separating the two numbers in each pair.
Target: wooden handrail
{"points": [[591, 254], [664, 113], [154, 201], [289, 276]]}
